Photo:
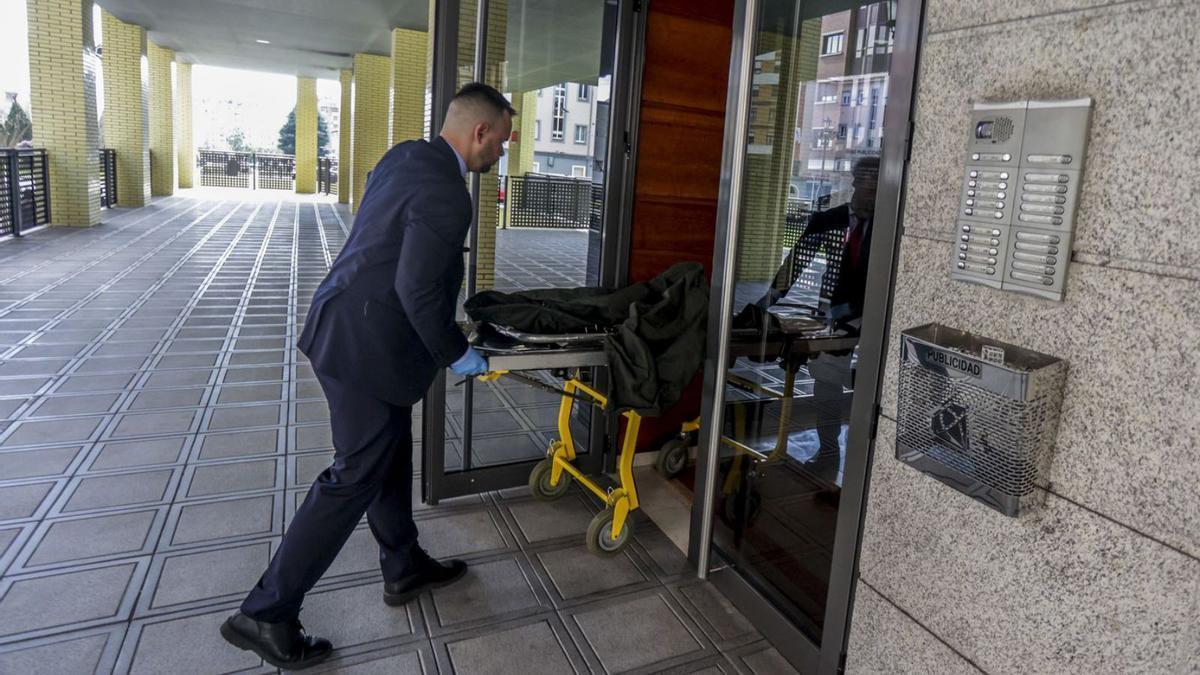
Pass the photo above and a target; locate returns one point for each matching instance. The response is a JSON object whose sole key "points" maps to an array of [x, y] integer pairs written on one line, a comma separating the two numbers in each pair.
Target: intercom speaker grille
{"points": [[1002, 130]]}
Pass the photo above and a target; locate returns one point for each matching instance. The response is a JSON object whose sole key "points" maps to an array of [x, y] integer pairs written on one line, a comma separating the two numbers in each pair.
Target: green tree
{"points": [[237, 141], [287, 135], [16, 127]]}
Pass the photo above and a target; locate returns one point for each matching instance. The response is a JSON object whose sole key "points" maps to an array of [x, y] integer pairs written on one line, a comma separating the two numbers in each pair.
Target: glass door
{"points": [[540, 220], [820, 127]]}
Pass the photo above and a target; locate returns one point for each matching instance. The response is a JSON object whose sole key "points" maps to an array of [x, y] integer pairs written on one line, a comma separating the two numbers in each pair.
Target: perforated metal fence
{"points": [[225, 169], [108, 177], [276, 172], [25, 182], [550, 201], [327, 175]]}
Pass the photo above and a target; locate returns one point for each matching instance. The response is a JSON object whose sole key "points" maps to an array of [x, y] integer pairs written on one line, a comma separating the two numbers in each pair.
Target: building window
{"points": [[560, 112], [583, 92], [827, 93], [537, 167], [581, 133], [833, 43], [537, 130], [841, 131], [846, 96], [578, 171]]}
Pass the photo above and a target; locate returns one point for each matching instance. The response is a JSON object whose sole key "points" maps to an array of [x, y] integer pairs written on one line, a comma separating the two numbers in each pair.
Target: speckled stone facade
{"points": [[1105, 577]]}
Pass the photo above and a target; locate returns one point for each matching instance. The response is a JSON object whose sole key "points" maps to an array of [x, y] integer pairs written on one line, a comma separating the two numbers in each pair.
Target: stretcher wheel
{"points": [[672, 458], [539, 482], [599, 535]]}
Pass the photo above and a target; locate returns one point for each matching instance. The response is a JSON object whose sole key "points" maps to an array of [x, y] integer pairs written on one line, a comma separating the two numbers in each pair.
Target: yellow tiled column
{"points": [[494, 69], [62, 68], [372, 86], [520, 152], [186, 148], [306, 135], [126, 124], [162, 122], [409, 66], [345, 135]]}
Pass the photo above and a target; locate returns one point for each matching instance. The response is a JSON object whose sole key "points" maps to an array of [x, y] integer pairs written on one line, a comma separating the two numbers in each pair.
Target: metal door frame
{"points": [[436, 483], [796, 647]]}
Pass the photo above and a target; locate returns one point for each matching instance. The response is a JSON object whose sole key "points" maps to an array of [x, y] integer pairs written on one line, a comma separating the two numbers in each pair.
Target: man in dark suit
{"points": [[380, 327]]}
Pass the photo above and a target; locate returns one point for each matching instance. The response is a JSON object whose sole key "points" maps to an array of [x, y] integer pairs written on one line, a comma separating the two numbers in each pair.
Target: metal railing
{"points": [[108, 178], [554, 202], [327, 175], [219, 168], [25, 186], [275, 172]]}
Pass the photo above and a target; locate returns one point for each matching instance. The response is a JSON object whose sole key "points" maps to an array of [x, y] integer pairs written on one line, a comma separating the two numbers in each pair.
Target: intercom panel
{"points": [[1020, 187]]}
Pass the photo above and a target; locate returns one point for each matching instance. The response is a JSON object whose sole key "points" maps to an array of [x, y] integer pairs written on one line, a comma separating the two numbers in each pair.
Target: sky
{"points": [[265, 98]]}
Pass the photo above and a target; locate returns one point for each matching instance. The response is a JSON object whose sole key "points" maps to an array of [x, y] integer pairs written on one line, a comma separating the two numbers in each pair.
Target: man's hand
{"points": [[471, 363]]}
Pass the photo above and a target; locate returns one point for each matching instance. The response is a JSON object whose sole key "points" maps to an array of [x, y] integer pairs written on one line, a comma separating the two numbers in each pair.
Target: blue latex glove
{"points": [[471, 363]]}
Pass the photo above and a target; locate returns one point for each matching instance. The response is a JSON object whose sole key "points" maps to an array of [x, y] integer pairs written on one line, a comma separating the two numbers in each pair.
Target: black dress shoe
{"points": [[283, 645], [430, 574]]}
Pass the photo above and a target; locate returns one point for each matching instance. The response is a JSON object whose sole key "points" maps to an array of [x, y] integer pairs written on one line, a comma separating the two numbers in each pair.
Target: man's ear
{"points": [[481, 131]]}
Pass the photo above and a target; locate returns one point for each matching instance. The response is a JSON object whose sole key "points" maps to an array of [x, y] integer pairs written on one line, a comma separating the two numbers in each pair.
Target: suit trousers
{"points": [[371, 472]]}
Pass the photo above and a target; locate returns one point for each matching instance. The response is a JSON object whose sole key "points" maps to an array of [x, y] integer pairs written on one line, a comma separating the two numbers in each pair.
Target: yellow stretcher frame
{"points": [[610, 530]]}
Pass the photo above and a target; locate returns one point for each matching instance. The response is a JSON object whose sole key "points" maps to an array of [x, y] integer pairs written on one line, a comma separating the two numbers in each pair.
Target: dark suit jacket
{"points": [[828, 231], [383, 319]]}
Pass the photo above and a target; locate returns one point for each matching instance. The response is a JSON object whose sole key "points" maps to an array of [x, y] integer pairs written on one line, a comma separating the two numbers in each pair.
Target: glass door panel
{"points": [[811, 168], [539, 211]]}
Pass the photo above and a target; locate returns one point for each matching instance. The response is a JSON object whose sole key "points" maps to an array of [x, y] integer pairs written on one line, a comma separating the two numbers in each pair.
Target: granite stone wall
{"points": [[1106, 577]]}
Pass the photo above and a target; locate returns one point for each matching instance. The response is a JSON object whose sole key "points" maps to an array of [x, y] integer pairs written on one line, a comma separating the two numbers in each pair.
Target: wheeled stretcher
{"points": [[508, 352]]}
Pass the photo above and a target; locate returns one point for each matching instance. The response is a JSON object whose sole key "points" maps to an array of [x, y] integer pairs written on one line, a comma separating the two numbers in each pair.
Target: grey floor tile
{"points": [[154, 424], [253, 374], [167, 398], [126, 348], [89, 404], [10, 406], [16, 367], [45, 432], [575, 573], [226, 519], [525, 647], [12, 538], [37, 463], [412, 659], [205, 576], [309, 389], [307, 467], [463, 533], [89, 651], [249, 393], [85, 539], [716, 616], [111, 364], [637, 631], [25, 500], [240, 417], [23, 386], [312, 411], [74, 598], [203, 360], [545, 521], [88, 383], [491, 590], [191, 644], [50, 351], [130, 454], [213, 479], [238, 444], [178, 378], [256, 358], [126, 489], [353, 615], [762, 659], [313, 437]]}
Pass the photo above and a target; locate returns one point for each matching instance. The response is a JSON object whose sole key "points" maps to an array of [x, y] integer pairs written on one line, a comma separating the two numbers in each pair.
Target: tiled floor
{"points": [[157, 429]]}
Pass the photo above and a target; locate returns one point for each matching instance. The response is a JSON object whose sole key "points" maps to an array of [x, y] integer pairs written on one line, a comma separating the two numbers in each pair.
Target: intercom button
{"points": [[975, 156], [998, 215], [974, 174], [969, 211], [1029, 267], [970, 193], [1046, 189], [1046, 178], [1001, 195], [972, 183], [966, 228], [1044, 220], [1049, 159], [1003, 175], [1031, 278], [970, 202], [995, 233], [1037, 238]]}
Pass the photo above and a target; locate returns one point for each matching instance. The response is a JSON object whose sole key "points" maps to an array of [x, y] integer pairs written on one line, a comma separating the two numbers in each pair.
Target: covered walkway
{"points": [[159, 428]]}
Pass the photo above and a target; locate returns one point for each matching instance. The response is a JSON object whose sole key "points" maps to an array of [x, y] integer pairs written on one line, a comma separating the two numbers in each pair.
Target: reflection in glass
{"points": [[811, 171], [540, 209]]}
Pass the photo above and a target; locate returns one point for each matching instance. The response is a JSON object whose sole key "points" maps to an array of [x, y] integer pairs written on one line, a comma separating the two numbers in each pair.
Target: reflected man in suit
{"points": [[380, 327]]}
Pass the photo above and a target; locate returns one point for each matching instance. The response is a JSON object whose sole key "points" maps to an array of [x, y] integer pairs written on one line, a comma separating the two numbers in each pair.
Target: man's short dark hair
{"points": [[481, 94]]}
